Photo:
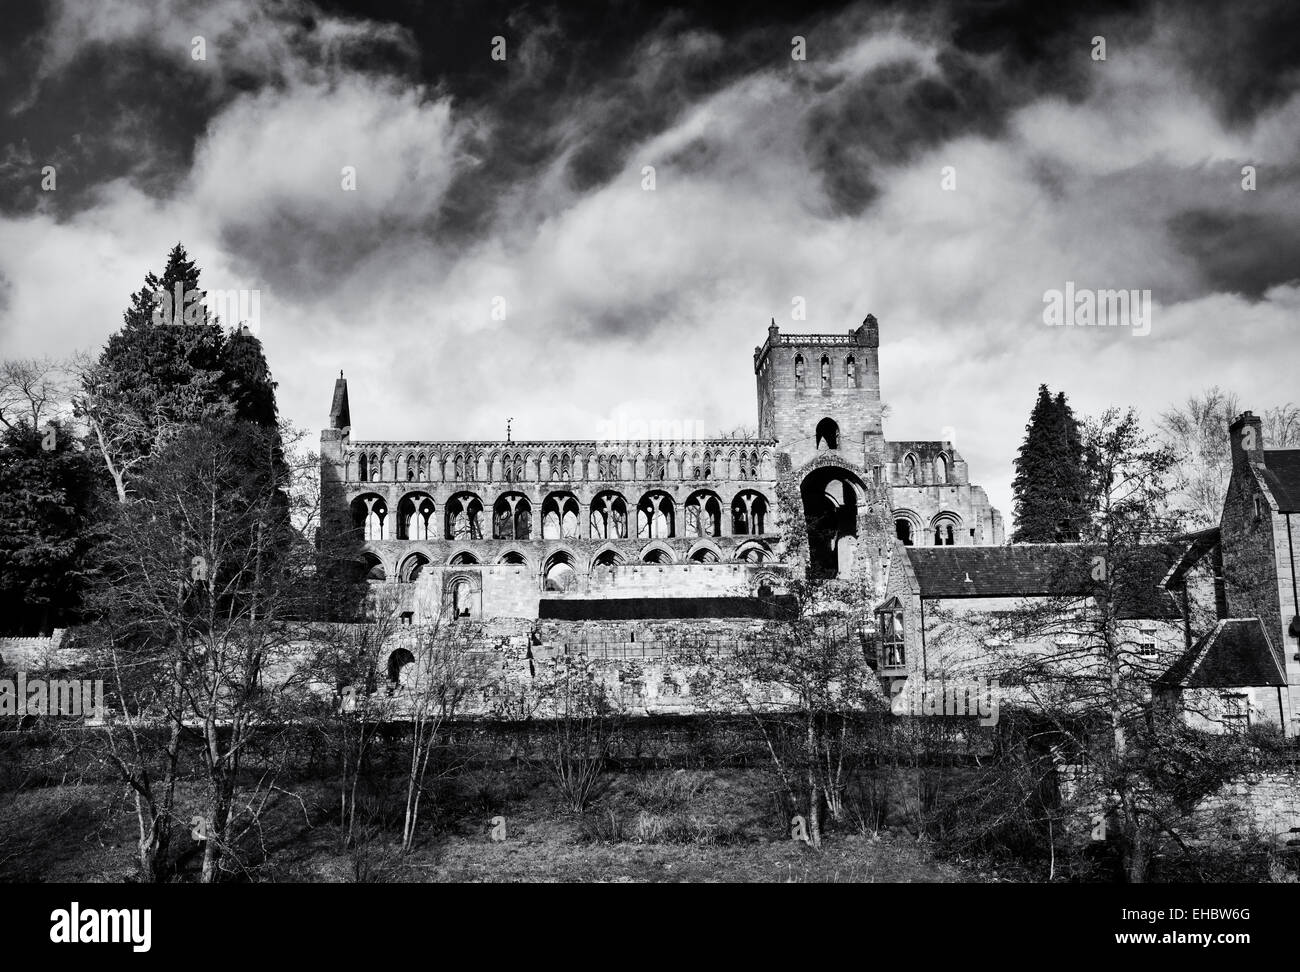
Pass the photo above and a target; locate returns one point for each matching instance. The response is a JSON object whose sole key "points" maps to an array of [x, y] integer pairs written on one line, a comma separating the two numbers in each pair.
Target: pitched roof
{"points": [[1195, 546], [1282, 475], [1040, 570], [1236, 653]]}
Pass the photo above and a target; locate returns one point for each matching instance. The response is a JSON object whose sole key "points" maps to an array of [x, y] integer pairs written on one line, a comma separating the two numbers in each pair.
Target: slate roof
{"points": [[1195, 547], [1038, 570], [1236, 653], [1282, 474]]}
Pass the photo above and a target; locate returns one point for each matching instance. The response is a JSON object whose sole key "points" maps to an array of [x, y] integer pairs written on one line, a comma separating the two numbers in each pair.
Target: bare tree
{"points": [[33, 390], [803, 686], [1077, 665], [201, 616], [1197, 431]]}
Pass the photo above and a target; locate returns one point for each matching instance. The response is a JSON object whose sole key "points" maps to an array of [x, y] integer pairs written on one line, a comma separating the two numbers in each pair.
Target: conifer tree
{"points": [[1049, 471]]}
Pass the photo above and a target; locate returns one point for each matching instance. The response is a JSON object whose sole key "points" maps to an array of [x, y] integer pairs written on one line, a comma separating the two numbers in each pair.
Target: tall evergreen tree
{"points": [[171, 364], [1048, 484], [45, 499]]}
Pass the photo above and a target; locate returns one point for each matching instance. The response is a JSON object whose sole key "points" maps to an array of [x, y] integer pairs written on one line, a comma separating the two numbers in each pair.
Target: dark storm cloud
{"points": [[1237, 252], [889, 115], [1245, 56]]}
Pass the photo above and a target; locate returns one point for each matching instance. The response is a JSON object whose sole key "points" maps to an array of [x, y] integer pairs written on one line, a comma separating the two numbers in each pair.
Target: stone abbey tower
{"points": [[576, 531]]}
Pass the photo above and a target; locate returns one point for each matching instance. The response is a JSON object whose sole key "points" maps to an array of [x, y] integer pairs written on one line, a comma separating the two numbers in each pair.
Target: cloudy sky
{"points": [[775, 179]]}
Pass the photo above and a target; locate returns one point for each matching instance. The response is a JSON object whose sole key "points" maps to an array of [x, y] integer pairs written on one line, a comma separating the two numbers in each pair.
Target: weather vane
{"points": [[508, 421]]}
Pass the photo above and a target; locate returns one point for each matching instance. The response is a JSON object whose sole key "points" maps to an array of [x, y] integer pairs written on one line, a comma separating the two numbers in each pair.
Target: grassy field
{"points": [[646, 826]]}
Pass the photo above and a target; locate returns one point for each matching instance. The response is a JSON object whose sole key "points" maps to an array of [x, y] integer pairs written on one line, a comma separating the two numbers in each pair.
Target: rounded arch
{"points": [[656, 515], [413, 567], [460, 594], [703, 514], [832, 498], [398, 661], [749, 512], [657, 553], [415, 512], [907, 527], [561, 514], [945, 527], [608, 519], [370, 517], [463, 515], [827, 434], [512, 517]]}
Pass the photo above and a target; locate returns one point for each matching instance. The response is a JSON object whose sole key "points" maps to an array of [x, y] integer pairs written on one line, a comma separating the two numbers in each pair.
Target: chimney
{"points": [[1246, 433]]}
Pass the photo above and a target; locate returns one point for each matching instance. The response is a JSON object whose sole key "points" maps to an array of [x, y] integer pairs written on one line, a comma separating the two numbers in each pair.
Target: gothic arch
{"points": [[702, 547], [412, 567], [827, 434], [657, 552], [608, 556]]}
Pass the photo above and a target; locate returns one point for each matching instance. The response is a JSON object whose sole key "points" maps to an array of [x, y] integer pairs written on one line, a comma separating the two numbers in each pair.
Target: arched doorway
{"points": [[832, 498]]}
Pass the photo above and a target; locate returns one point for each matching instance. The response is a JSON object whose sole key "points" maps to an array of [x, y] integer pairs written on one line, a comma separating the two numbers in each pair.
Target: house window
{"points": [[1236, 711], [1146, 643], [893, 653]]}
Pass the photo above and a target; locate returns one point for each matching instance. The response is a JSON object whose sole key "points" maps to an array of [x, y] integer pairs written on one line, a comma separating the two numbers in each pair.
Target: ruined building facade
{"points": [[626, 529]]}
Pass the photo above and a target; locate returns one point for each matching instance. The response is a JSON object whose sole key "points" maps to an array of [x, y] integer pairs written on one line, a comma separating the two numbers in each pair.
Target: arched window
{"points": [[370, 518], [941, 468], [911, 471], [460, 599], [654, 516], [749, 514], [798, 371], [851, 371], [608, 517], [903, 530], [512, 517], [945, 529], [414, 514], [464, 517], [704, 515], [364, 465], [376, 469], [828, 434], [826, 373], [560, 516]]}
